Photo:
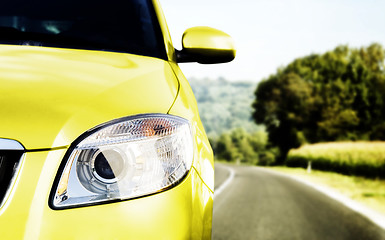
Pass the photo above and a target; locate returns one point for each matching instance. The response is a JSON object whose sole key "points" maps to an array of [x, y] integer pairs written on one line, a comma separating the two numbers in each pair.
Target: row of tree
{"points": [[338, 95]]}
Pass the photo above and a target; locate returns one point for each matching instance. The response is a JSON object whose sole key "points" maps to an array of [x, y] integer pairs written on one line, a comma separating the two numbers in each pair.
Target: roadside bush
{"points": [[241, 146], [266, 159]]}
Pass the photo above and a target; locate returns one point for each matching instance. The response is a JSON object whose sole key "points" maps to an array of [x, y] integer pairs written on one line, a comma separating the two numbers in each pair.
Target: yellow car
{"points": [[100, 136]]}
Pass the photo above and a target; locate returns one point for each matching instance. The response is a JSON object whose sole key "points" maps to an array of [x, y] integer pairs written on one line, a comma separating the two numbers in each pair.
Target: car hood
{"points": [[50, 96]]}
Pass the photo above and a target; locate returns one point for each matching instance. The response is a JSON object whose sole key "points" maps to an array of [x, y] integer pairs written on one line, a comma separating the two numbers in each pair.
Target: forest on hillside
{"points": [[224, 105]]}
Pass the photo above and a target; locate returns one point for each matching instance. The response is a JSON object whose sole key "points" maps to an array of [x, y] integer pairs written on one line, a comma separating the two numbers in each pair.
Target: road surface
{"points": [[257, 204]]}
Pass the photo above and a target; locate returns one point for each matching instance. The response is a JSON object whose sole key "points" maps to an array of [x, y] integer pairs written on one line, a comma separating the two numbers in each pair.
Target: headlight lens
{"points": [[128, 158]]}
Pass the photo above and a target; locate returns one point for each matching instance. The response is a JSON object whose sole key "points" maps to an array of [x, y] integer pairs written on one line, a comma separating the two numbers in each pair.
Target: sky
{"points": [[269, 34]]}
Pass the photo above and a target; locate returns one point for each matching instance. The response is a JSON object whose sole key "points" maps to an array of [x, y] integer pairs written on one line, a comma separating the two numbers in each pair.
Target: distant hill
{"points": [[224, 105]]}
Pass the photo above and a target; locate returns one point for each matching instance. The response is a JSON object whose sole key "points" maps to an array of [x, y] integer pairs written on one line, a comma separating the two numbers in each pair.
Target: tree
{"points": [[241, 141], [339, 95], [284, 106], [238, 145], [225, 148]]}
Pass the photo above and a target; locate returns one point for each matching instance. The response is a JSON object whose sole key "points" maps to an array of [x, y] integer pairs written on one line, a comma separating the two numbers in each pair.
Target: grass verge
{"points": [[370, 192], [351, 158]]}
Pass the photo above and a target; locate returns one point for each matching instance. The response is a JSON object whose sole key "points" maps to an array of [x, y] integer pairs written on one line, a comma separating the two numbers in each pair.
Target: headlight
{"points": [[124, 159]]}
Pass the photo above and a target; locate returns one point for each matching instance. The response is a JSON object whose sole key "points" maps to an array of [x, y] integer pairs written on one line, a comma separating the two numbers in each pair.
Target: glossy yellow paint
{"points": [[51, 96], [58, 94], [164, 28], [185, 105], [177, 213], [207, 38], [43, 112], [206, 45]]}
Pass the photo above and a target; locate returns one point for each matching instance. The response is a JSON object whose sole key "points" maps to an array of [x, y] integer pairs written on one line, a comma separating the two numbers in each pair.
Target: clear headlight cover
{"points": [[125, 159]]}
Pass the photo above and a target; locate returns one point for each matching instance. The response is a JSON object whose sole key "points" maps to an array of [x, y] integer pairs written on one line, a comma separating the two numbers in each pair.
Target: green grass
{"points": [[370, 192], [350, 158]]}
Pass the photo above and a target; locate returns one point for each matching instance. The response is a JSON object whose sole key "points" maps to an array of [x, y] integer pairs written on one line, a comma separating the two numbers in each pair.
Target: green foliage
{"points": [[351, 158], [266, 158], [240, 146], [225, 149], [339, 95], [224, 106], [225, 111]]}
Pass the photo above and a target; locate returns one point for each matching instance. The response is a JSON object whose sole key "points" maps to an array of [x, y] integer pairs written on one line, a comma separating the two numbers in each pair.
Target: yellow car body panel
{"points": [[44, 114], [51, 96], [58, 94]]}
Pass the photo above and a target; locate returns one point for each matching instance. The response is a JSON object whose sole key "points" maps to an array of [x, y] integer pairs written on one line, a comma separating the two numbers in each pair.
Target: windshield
{"points": [[116, 25]]}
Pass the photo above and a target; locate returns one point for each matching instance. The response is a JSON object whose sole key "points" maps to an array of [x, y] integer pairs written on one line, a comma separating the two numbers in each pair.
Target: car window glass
{"points": [[115, 25]]}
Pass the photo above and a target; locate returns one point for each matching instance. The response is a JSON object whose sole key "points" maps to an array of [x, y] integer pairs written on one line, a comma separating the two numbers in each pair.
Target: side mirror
{"points": [[206, 45]]}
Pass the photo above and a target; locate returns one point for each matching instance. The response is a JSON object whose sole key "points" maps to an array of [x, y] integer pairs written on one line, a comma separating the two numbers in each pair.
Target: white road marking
{"points": [[375, 217], [224, 185]]}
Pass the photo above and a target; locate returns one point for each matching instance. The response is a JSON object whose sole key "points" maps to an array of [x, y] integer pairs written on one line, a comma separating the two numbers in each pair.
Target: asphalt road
{"points": [[258, 204]]}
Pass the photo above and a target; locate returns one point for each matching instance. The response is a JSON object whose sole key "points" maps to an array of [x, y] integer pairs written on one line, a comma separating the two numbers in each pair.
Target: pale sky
{"points": [[271, 33]]}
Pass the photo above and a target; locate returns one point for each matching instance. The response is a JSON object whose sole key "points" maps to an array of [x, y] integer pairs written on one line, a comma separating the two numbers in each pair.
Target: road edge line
{"points": [[374, 216], [224, 185]]}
